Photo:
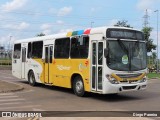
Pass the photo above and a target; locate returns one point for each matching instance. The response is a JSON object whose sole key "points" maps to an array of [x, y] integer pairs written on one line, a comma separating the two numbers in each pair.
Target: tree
{"points": [[154, 56], [123, 23], [41, 34], [150, 46]]}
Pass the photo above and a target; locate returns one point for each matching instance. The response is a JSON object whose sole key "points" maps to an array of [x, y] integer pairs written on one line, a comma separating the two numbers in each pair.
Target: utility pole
{"points": [[146, 18], [10, 42], [146, 24], [157, 11]]}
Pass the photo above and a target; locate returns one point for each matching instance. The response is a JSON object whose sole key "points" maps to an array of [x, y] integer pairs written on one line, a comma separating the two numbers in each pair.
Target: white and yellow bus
{"points": [[105, 60]]}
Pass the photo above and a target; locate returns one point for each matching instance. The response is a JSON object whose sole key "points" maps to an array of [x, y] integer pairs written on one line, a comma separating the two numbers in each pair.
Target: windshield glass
{"points": [[126, 55]]}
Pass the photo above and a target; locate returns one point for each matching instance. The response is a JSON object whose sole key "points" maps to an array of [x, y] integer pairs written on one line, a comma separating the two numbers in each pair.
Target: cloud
{"points": [[45, 26], [93, 9], [6, 39], [60, 22], [64, 11], [146, 4], [53, 11], [13, 5], [47, 32], [112, 22], [61, 12], [1, 16], [65, 30], [21, 26]]}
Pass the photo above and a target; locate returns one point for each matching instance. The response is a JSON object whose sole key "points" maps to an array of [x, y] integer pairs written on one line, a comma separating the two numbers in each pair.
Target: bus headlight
{"points": [[112, 79], [144, 79]]}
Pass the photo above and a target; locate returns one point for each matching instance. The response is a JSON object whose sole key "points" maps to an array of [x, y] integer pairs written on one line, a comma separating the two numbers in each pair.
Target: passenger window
{"points": [[29, 53], [51, 54], [37, 48], [79, 47], [17, 51], [62, 47], [46, 54]]}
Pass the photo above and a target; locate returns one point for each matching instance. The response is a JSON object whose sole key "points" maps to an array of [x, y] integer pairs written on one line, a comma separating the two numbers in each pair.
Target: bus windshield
{"points": [[126, 55]]}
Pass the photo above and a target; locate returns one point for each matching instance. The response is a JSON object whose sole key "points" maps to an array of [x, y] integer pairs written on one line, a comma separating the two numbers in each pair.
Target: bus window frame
{"points": [[77, 37]]}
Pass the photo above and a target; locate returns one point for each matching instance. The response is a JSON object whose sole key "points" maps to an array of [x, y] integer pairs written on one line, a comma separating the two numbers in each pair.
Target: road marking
{"points": [[4, 94], [22, 92], [19, 107], [35, 109], [34, 118], [11, 100], [7, 77], [5, 73], [12, 103], [4, 97]]}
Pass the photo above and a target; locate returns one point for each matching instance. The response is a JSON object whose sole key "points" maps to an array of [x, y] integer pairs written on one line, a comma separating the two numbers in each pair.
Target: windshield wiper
{"points": [[126, 50], [123, 46]]}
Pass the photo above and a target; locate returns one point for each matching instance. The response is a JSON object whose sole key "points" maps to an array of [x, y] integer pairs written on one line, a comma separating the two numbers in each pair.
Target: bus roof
{"points": [[69, 34]]}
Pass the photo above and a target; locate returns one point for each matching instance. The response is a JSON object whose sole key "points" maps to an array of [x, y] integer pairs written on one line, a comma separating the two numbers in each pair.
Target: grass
{"points": [[5, 62], [153, 75]]}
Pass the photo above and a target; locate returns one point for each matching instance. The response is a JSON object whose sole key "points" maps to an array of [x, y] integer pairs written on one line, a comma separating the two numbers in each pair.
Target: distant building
{"points": [[2, 51], [1, 48]]}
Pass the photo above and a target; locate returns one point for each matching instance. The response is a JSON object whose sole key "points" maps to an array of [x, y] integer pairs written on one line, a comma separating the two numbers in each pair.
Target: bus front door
{"points": [[48, 63], [23, 62], [97, 66]]}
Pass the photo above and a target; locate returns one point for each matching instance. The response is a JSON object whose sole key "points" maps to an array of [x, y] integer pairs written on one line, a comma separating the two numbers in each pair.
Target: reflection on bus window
{"points": [[17, 51], [37, 48], [61, 49], [79, 47], [29, 54]]}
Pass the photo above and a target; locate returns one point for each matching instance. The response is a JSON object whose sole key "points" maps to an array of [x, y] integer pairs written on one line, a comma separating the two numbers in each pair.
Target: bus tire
{"points": [[78, 86], [31, 78]]}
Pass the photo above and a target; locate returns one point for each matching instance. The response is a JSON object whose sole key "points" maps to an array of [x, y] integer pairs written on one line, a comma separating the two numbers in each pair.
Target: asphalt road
{"points": [[50, 98]]}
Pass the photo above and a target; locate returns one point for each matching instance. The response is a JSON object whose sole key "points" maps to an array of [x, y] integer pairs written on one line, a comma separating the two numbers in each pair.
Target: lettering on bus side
{"points": [[61, 67]]}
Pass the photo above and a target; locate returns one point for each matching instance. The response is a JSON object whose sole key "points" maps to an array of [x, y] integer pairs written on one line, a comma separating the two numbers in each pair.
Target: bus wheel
{"points": [[78, 86], [31, 78]]}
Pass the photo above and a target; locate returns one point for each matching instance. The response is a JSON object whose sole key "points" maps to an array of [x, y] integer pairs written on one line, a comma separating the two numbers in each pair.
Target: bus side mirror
{"points": [[106, 52]]}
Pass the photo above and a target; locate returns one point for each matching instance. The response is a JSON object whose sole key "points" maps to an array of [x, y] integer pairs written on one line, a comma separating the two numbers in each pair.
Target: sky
{"points": [[21, 19]]}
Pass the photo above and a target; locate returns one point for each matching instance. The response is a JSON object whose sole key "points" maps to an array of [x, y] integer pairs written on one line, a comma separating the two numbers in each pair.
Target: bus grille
{"points": [[130, 81], [129, 87], [129, 75]]}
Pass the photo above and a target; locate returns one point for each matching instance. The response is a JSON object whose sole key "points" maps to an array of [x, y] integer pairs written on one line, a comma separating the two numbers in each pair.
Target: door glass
{"points": [[46, 54], [97, 61], [51, 54], [94, 54], [93, 76], [23, 54], [100, 53], [99, 77]]}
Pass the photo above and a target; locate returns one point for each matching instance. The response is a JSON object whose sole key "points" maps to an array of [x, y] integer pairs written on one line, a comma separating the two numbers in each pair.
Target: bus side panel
{"points": [[16, 61], [59, 72], [16, 68], [37, 66], [82, 66], [63, 69]]}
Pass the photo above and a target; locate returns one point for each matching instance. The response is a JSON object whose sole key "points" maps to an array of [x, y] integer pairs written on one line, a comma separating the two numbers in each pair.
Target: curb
{"points": [[5, 67], [153, 78], [17, 87]]}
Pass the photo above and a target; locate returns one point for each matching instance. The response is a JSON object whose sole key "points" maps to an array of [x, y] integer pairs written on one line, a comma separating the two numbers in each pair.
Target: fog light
{"points": [[143, 86]]}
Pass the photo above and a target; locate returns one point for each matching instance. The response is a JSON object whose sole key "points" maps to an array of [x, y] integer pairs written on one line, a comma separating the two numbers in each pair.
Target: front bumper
{"points": [[122, 87]]}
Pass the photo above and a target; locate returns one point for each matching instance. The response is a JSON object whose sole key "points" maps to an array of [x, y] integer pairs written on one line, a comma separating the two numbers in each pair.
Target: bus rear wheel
{"points": [[31, 78], [78, 86]]}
